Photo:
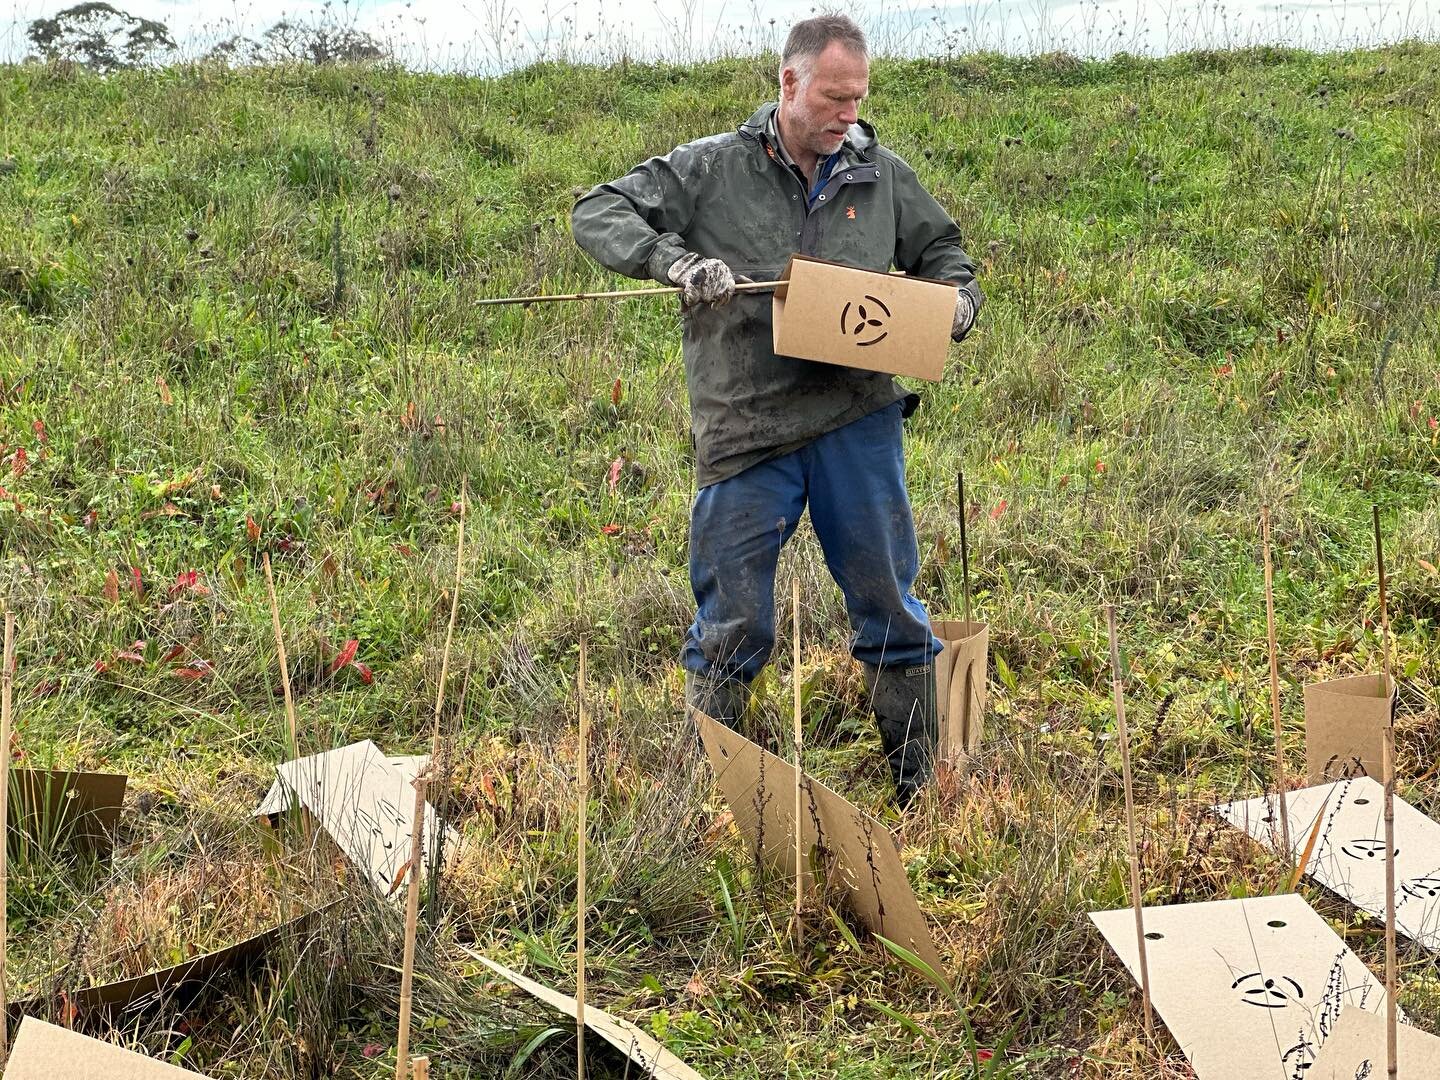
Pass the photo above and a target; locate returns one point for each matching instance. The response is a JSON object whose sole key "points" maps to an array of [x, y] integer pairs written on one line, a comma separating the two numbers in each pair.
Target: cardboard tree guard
{"points": [[1345, 722], [45, 1052], [365, 801], [856, 851], [1250, 989], [52, 808], [840, 314], [1349, 853], [1356, 1049], [142, 990], [961, 673], [645, 1051]]}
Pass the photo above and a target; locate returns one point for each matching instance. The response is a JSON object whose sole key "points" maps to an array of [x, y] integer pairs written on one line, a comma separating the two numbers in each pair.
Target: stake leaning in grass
{"points": [[450, 629], [799, 765], [440, 694], [964, 551], [284, 660], [7, 686], [1392, 1017], [412, 914], [1117, 684], [582, 779], [1281, 787]]}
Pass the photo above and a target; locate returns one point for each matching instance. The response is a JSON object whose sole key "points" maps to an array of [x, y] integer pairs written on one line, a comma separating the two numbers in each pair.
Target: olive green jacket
{"points": [[730, 197]]}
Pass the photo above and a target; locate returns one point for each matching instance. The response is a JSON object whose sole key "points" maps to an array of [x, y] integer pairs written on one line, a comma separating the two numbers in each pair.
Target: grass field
{"points": [[236, 316]]}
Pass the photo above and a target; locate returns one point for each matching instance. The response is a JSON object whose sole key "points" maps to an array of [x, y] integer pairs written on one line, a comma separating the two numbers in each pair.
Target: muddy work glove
{"points": [[964, 316], [705, 281]]}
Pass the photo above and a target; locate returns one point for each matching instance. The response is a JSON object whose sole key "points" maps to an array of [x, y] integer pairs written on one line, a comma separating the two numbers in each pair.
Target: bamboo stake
{"points": [[1385, 676], [450, 630], [964, 551], [412, 912], [1281, 786], [440, 698], [1117, 684], [1392, 1061], [284, 660], [799, 766], [420, 1068], [740, 286], [581, 835], [1392, 1015], [7, 687]]}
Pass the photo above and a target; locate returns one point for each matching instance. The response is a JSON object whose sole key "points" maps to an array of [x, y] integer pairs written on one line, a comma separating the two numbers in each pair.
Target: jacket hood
{"points": [[861, 137]]}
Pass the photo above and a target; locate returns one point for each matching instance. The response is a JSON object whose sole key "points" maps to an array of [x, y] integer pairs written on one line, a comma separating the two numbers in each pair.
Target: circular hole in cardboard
{"points": [[1154, 935], [1362, 802], [1276, 923]]}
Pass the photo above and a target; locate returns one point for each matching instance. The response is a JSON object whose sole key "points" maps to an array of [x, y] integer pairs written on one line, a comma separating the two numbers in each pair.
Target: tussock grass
{"points": [[240, 303]]}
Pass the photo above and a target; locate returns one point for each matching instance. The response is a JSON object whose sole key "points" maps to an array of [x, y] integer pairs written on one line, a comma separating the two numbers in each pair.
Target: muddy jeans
{"points": [[853, 479]]}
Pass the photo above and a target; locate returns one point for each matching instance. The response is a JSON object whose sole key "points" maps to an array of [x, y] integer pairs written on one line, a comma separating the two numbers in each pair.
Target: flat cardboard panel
{"points": [[80, 810], [862, 319], [142, 990], [45, 1052], [653, 1059], [856, 850], [961, 673], [1356, 1050], [365, 801], [1349, 854], [1345, 728], [1250, 988]]}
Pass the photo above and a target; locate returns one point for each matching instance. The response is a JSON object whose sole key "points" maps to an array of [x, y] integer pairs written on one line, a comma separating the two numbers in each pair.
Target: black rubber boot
{"points": [[903, 697], [725, 700]]}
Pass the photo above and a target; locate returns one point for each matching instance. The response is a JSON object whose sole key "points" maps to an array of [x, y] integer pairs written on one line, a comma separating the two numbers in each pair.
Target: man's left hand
{"points": [[964, 317]]}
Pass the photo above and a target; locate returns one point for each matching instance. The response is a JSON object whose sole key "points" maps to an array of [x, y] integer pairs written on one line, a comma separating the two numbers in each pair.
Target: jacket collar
{"points": [[859, 140]]}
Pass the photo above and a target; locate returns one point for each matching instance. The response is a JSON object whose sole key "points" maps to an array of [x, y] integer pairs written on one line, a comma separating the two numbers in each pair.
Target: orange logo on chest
{"points": [[850, 212]]}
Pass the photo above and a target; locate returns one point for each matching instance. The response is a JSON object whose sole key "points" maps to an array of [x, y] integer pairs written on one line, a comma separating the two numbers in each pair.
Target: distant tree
{"points": [[100, 36], [312, 43]]}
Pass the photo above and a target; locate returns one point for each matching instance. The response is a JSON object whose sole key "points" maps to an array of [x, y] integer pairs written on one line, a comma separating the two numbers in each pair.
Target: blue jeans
{"points": [[853, 479]]}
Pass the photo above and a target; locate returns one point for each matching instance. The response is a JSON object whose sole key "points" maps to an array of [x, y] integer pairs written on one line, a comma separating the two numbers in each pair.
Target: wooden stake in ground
{"points": [[964, 548], [7, 687], [799, 766], [1384, 608], [450, 630], [420, 1068], [1117, 683], [412, 913], [1281, 786], [435, 746], [284, 661], [1392, 1017], [582, 834]]}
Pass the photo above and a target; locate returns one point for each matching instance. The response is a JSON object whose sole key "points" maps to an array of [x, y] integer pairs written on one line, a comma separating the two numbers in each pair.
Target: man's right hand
{"points": [[705, 281]]}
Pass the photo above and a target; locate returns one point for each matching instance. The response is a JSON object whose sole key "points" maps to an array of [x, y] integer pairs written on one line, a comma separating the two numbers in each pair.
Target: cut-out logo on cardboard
{"points": [[865, 319]]}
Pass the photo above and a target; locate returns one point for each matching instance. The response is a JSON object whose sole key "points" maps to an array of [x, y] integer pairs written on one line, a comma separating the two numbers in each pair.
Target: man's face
{"points": [[820, 110]]}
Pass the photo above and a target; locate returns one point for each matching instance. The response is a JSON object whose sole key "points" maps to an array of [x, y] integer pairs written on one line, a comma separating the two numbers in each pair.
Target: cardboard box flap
{"points": [[1349, 853], [1249, 988], [80, 810], [45, 1052]]}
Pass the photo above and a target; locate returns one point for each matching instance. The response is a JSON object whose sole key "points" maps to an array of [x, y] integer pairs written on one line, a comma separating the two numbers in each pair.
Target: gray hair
{"points": [[810, 37]]}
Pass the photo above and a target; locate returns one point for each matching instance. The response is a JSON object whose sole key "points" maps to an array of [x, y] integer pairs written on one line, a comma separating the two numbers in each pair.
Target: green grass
{"points": [[248, 297]]}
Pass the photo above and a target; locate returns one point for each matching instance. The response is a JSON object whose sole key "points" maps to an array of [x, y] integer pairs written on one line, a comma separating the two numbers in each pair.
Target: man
{"points": [[773, 433]]}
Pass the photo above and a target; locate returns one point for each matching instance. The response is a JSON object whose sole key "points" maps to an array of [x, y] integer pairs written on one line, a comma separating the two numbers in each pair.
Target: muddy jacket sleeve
{"points": [[927, 240], [634, 225]]}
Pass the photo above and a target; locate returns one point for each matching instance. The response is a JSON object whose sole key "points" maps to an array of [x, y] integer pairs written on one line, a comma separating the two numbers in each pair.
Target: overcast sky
{"points": [[467, 35]]}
